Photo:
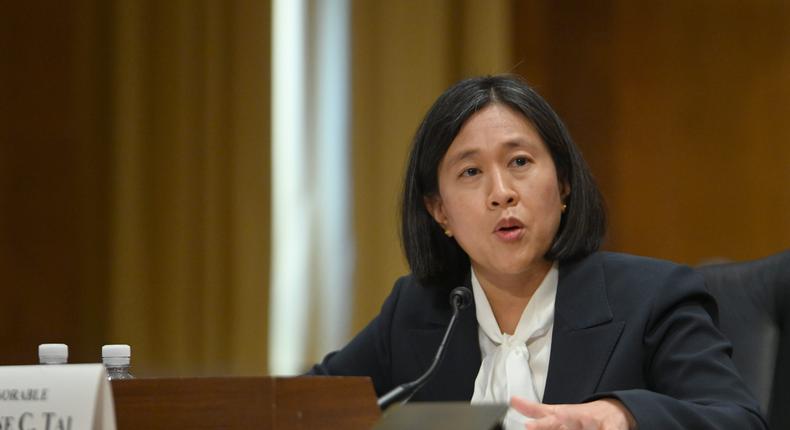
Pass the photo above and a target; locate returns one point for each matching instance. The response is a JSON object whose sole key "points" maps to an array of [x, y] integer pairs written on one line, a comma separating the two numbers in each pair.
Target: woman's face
{"points": [[499, 195]]}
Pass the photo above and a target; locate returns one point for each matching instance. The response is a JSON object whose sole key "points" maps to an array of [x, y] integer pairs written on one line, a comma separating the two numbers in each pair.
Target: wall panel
{"points": [[679, 107]]}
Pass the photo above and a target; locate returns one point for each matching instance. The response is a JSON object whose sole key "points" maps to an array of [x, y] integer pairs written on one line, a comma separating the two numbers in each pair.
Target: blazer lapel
{"points": [[584, 334]]}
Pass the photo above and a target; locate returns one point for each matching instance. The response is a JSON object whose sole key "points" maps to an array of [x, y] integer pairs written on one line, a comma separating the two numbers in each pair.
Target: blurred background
{"points": [[216, 182]]}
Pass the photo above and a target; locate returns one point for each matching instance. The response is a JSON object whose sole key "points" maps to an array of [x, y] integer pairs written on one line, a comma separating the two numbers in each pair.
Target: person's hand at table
{"points": [[603, 414]]}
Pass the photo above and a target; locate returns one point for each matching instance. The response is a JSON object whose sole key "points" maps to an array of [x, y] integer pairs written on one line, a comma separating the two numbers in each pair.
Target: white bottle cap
{"points": [[53, 353], [116, 355]]}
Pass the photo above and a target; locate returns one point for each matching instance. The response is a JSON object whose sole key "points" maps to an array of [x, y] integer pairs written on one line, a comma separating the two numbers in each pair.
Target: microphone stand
{"points": [[460, 298]]}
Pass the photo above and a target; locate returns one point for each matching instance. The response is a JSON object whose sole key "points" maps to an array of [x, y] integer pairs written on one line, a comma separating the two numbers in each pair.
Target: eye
{"points": [[470, 171], [520, 161]]}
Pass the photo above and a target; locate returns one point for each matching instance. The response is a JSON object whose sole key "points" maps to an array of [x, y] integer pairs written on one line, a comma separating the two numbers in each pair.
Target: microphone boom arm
{"points": [[460, 298]]}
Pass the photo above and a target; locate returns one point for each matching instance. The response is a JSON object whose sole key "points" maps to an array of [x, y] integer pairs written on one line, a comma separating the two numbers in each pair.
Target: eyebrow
{"points": [[518, 143], [469, 153]]}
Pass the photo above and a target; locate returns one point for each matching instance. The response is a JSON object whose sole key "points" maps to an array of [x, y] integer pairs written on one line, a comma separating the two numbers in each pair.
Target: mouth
{"points": [[509, 229]]}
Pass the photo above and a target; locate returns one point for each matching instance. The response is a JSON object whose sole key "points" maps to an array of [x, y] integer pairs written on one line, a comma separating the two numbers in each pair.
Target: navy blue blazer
{"points": [[636, 329]]}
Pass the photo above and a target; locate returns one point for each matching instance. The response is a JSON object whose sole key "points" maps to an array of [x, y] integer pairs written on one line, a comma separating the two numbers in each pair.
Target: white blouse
{"points": [[517, 364]]}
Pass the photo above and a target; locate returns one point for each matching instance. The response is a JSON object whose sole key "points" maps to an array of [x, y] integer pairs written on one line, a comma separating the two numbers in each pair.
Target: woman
{"points": [[497, 197]]}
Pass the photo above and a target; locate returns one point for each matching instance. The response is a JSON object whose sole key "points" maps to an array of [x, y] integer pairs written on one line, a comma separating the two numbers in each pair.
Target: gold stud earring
{"points": [[448, 233], [564, 206]]}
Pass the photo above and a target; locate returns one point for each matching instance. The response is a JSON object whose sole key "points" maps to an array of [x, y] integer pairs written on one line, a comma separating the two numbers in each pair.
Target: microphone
{"points": [[460, 298]]}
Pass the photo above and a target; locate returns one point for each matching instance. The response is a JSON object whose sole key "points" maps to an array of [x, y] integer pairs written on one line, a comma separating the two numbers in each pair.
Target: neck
{"points": [[509, 294]]}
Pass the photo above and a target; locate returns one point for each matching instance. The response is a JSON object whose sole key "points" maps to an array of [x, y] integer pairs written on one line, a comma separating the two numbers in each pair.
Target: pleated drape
{"points": [[190, 185]]}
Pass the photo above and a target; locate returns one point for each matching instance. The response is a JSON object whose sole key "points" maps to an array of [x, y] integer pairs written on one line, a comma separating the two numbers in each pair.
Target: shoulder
{"points": [[620, 263], [408, 289], [618, 268], [635, 281], [413, 304]]}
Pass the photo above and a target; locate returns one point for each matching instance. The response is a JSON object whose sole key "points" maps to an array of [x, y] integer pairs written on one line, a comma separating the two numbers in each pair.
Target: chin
{"points": [[518, 267], [515, 268]]}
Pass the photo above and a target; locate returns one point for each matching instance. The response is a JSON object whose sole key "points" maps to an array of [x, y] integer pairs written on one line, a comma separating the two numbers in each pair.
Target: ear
{"points": [[565, 190], [435, 207]]}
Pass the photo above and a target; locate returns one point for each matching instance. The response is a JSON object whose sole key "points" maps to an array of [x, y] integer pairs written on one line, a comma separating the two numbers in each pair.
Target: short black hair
{"points": [[436, 259]]}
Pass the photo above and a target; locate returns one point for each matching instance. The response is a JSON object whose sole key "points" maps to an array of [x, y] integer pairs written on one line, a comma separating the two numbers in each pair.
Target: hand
{"points": [[604, 414]]}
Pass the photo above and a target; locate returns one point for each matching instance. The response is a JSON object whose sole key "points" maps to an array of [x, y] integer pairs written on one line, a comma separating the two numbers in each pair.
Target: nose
{"points": [[502, 193]]}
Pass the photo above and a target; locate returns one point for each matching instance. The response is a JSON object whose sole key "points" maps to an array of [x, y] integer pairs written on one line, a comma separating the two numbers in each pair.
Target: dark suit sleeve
{"points": [[368, 354], [692, 382]]}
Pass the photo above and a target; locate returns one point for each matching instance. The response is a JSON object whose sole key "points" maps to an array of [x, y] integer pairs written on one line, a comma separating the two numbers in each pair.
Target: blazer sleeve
{"points": [[692, 382], [368, 353]]}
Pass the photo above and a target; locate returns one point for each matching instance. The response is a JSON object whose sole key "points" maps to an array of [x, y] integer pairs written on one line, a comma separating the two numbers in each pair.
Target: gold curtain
{"points": [[190, 185], [405, 53], [190, 224]]}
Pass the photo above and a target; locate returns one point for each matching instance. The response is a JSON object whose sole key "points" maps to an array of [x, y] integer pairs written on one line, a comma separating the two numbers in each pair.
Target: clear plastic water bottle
{"points": [[117, 360], [53, 353]]}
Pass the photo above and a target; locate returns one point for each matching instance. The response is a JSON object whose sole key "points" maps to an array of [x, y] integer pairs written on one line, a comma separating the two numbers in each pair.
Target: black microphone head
{"points": [[460, 297]]}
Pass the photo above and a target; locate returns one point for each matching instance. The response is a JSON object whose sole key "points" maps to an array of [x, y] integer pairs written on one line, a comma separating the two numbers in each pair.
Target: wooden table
{"points": [[245, 403]]}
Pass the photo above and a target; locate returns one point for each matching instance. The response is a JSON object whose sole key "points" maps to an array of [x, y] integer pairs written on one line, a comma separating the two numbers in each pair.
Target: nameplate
{"points": [[443, 416], [56, 397]]}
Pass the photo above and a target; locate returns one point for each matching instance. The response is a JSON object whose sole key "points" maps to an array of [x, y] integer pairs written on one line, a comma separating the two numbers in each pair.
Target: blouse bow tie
{"points": [[506, 368], [505, 372]]}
